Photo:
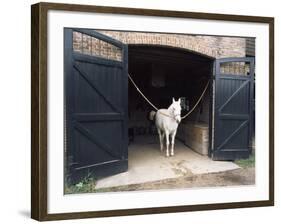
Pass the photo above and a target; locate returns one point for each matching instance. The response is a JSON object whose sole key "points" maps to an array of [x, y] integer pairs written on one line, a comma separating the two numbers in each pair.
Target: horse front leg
{"points": [[173, 142], [167, 143]]}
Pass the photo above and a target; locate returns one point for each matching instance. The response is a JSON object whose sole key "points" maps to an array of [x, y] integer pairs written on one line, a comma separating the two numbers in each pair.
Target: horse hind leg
{"points": [[167, 143], [161, 140]]}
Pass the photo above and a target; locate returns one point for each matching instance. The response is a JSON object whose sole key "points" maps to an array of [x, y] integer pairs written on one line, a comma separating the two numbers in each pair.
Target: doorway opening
{"points": [[162, 73]]}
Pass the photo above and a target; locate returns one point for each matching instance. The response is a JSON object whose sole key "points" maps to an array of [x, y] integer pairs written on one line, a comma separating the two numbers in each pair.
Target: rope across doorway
{"points": [[151, 104]]}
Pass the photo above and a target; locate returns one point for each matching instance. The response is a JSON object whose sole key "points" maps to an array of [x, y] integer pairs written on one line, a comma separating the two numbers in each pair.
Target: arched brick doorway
{"points": [[96, 71]]}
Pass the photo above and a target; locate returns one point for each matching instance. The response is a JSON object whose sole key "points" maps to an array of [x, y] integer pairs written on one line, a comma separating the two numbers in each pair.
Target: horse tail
{"points": [[151, 115]]}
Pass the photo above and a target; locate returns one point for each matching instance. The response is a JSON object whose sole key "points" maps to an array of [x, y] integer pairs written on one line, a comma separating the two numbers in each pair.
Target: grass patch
{"points": [[86, 185], [246, 163], [80, 188]]}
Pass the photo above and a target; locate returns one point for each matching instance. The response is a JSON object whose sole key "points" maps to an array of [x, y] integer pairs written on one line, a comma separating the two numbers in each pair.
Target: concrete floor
{"points": [[147, 163]]}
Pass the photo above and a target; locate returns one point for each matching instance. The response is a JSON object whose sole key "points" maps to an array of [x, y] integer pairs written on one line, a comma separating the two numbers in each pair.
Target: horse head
{"points": [[175, 109]]}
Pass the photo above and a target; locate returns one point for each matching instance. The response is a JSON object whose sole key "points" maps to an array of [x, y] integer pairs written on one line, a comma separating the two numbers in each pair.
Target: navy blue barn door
{"points": [[95, 104], [234, 78]]}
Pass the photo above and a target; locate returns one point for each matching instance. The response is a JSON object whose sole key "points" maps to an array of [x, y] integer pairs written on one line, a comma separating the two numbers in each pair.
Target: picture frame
{"points": [[40, 154]]}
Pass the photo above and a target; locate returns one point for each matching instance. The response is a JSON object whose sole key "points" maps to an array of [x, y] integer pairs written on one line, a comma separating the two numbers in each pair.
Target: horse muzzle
{"points": [[178, 119]]}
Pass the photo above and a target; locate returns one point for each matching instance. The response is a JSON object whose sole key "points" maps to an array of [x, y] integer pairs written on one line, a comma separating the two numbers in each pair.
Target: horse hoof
{"points": [[167, 155]]}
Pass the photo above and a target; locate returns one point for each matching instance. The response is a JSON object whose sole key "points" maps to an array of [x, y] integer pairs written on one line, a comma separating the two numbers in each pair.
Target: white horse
{"points": [[167, 121]]}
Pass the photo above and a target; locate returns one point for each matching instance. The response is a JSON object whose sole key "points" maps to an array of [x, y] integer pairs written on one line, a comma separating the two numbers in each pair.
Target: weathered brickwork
{"points": [[217, 47], [92, 46], [235, 68], [214, 46]]}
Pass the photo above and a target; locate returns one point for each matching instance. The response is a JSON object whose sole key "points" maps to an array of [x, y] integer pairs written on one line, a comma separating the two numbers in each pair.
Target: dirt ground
{"points": [[243, 176]]}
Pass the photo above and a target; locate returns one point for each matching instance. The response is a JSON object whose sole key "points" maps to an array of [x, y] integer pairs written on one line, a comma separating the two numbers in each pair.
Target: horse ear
{"points": [[174, 100]]}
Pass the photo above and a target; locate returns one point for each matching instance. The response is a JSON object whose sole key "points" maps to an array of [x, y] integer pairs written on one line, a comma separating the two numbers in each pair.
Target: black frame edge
{"points": [[38, 112], [35, 191]]}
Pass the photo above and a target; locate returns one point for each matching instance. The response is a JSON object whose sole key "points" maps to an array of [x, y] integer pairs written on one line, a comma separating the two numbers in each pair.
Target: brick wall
{"points": [[92, 46], [214, 46]]}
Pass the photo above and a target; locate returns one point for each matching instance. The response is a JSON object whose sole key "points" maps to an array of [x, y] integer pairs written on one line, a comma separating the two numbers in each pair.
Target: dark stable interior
{"points": [[162, 73]]}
